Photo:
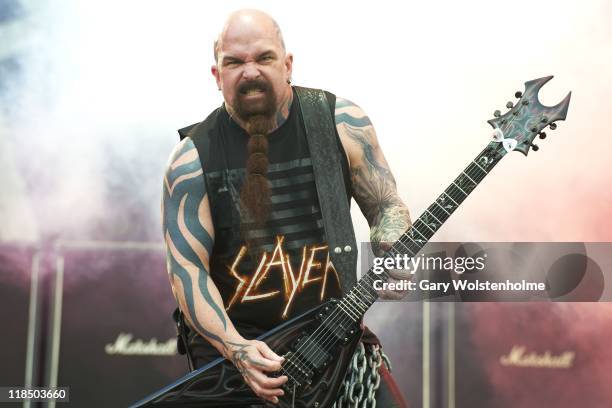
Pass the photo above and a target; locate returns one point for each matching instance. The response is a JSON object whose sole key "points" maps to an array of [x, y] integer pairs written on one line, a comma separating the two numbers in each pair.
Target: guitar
{"points": [[319, 344]]}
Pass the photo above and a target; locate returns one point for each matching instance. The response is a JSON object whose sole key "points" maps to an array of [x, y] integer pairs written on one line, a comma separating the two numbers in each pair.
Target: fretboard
{"points": [[363, 295]]}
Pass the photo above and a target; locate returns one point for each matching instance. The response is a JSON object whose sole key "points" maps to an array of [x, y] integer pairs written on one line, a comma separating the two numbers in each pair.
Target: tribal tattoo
{"points": [[373, 185], [189, 237]]}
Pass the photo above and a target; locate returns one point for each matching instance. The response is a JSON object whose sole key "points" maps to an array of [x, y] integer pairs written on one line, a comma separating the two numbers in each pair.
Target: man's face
{"points": [[252, 70]]}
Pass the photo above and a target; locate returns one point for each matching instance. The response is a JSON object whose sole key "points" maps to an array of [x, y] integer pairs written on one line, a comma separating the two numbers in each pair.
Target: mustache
{"points": [[253, 85]]}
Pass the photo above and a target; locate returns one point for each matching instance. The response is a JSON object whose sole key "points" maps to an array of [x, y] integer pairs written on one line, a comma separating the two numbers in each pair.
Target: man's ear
{"points": [[289, 65], [215, 71]]}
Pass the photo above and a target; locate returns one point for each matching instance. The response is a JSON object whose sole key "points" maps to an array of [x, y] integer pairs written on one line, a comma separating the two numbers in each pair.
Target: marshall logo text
{"points": [[124, 345]]}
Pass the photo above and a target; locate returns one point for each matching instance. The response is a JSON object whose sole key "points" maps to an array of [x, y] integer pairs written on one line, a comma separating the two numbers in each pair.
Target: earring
{"points": [[289, 81]]}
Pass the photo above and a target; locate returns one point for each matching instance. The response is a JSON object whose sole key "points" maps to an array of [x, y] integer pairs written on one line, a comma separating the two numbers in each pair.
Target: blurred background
{"points": [[91, 95]]}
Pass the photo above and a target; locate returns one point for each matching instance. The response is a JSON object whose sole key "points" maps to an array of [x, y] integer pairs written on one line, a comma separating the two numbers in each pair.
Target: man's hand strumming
{"points": [[253, 358]]}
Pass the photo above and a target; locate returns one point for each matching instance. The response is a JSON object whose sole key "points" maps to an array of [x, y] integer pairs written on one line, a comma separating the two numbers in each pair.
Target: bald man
{"points": [[238, 221]]}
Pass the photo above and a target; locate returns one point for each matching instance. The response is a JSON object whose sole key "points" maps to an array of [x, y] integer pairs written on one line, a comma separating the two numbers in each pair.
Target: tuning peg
{"points": [[497, 113], [509, 105], [542, 135], [534, 146], [518, 94], [553, 126]]}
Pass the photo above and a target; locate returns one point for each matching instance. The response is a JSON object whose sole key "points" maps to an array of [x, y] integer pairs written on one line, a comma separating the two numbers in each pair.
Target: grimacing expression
{"points": [[252, 75]]}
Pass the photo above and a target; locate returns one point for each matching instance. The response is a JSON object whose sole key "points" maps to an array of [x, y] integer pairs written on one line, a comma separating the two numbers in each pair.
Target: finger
{"points": [[273, 400], [271, 382], [400, 274], [385, 246], [267, 352], [265, 382], [398, 288], [259, 381], [261, 363]]}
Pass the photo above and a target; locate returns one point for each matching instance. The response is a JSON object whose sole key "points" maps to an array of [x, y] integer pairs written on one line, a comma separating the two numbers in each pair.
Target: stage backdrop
{"points": [[91, 95]]}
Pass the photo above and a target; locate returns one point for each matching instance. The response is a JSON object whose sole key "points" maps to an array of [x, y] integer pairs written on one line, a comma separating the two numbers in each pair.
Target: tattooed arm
{"points": [[189, 236], [373, 185]]}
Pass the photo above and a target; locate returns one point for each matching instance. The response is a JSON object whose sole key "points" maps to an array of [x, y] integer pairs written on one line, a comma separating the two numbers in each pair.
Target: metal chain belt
{"points": [[362, 379]]}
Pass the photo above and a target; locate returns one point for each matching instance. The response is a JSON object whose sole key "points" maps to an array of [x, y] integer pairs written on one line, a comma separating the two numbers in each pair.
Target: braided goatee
{"points": [[255, 192]]}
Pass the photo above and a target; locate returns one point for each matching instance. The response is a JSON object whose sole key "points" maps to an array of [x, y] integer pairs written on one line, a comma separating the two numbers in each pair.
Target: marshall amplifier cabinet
{"points": [[111, 323], [532, 355], [19, 273]]}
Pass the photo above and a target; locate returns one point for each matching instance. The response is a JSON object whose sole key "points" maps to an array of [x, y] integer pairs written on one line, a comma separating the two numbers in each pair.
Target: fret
{"points": [[436, 218], [411, 240], [406, 250], [475, 183], [412, 230], [440, 216], [414, 227], [442, 208], [347, 312], [451, 198], [367, 287], [428, 227], [466, 194], [462, 182], [363, 285], [445, 204], [413, 246], [367, 295], [476, 172], [484, 171], [368, 281], [429, 221], [358, 305]]}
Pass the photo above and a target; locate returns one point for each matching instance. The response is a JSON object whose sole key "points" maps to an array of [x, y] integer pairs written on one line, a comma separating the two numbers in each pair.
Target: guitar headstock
{"points": [[527, 118]]}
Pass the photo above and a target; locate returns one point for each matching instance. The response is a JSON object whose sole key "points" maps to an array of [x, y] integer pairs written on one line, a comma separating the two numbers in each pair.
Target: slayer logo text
{"points": [[311, 271]]}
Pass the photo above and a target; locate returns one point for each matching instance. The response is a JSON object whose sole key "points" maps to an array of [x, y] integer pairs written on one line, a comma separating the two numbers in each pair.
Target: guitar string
{"points": [[316, 336], [313, 339], [309, 350], [469, 171], [489, 150], [347, 317]]}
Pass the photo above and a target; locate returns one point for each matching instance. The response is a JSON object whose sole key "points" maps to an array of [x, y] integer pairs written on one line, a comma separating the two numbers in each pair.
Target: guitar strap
{"points": [[326, 162]]}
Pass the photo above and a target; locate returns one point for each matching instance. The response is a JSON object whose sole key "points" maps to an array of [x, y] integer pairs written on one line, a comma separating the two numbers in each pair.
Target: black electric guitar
{"points": [[319, 344]]}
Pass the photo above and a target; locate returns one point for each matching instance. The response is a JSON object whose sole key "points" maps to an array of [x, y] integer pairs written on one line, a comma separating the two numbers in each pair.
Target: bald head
{"points": [[252, 68], [249, 22]]}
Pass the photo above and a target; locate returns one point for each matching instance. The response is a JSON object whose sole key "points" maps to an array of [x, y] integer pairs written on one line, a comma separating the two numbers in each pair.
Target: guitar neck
{"points": [[363, 295]]}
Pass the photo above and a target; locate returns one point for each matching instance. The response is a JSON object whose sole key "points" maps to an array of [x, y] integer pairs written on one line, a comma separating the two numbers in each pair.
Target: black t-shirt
{"points": [[285, 269]]}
